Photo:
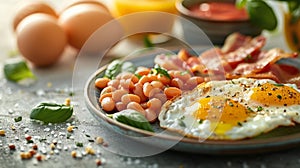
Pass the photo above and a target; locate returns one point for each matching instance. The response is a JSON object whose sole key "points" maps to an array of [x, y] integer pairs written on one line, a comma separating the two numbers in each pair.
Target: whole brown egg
{"points": [[81, 20], [40, 39], [30, 8]]}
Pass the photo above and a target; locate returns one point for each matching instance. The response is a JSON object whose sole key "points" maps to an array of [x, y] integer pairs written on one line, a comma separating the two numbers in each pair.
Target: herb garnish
{"points": [[79, 144], [259, 108], [279, 97], [158, 70], [133, 118], [18, 119], [18, 71]]}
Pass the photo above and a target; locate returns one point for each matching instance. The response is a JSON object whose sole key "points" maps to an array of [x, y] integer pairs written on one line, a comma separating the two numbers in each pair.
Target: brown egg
{"points": [[81, 21], [40, 39], [31, 8], [91, 2]]}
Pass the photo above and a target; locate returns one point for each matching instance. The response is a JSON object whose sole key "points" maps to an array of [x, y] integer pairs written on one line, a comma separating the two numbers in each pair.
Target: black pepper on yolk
{"points": [[223, 113], [275, 95]]}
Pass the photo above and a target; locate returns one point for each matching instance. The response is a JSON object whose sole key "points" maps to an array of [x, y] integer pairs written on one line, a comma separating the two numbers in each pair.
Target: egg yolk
{"points": [[223, 113], [275, 95]]}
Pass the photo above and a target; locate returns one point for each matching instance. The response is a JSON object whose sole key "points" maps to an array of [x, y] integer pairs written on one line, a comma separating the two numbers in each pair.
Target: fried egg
{"points": [[232, 109]]}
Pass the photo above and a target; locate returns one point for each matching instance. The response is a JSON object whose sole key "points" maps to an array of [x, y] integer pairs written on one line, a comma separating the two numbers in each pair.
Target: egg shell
{"points": [[91, 2], [81, 21], [30, 8], [40, 39]]}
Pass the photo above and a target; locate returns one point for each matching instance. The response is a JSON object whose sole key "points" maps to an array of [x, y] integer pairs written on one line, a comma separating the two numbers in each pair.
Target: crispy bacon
{"points": [[237, 49], [265, 60], [241, 56]]}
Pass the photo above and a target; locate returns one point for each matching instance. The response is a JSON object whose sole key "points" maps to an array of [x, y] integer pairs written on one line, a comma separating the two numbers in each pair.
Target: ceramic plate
{"points": [[278, 139]]}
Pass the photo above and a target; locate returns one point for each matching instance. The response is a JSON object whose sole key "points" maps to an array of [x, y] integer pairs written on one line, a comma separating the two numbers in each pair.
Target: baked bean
{"points": [[126, 75], [199, 68], [107, 89], [193, 61], [147, 87], [120, 106], [183, 55], [151, 115], [193, 82], [126, 84], [117, 94], [127, 98], [155, 91], [172, 73], [144, 79], [143, 71], [161, 96], [101, 82], [134, 79], [108, 104], [114, 83], [136, 106], [199, 79], [104, 96], [165, 80], [138, 90], [176, 82], [144, 105], [152, 77], [183, 76], [154, 104], [157, 84], [172, 92]]}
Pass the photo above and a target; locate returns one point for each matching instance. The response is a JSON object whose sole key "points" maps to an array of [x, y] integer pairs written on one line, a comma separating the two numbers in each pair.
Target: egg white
{"points": [[177, 115]]}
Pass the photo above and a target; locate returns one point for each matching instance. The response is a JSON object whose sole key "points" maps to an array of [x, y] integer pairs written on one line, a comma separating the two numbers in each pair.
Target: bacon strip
{"points": [[265, 59]]}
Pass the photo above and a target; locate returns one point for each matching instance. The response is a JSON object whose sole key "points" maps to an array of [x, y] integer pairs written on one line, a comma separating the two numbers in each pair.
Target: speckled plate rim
{"points": [[247, 146]]}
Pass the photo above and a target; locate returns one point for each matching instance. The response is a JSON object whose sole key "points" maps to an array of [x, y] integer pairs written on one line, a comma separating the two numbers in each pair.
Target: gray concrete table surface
{"points": [[55, 85]]}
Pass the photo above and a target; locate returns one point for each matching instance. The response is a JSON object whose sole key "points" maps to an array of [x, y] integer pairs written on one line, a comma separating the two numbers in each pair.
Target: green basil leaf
{"points": [[51, 112], [133, 118], [118, 66], [261, 14], [113, 69], [147, 42], [296, 15], [240, 3], [128, 67], [16, 70], [158, 70]]}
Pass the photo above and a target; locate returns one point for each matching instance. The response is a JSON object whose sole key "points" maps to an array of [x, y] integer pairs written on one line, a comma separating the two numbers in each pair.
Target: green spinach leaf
{"points": [[113, 69], [118, 66], [17, 70], [133, 118], [261, 14], [51, 112]]}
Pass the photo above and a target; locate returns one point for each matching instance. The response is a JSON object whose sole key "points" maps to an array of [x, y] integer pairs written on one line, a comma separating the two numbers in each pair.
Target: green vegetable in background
{"points": [[118, 66], [147, 42], [51, 112], [262, 14], [133, 118], [17, 70]]}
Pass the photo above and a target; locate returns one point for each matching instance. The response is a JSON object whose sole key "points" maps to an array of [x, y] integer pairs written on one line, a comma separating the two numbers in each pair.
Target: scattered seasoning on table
{"points": [[70, 128], [2, 132], [99, 140], [12, 146], [98, 162], [73, 154], [79, 144], [18, 119]]}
